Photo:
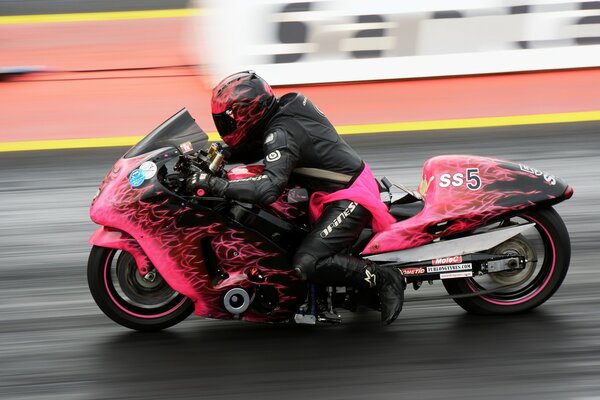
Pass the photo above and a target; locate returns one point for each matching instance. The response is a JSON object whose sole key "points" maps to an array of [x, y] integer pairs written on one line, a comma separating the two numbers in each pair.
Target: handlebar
{"points": [[209, 161]]}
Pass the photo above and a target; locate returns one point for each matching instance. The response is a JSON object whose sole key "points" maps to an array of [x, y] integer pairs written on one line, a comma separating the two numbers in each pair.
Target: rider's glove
{"points": [[201, 183]]}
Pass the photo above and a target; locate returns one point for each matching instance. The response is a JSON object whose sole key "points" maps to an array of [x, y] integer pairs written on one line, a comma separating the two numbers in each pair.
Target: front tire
{"points": [[549, 253], [130, 299]]}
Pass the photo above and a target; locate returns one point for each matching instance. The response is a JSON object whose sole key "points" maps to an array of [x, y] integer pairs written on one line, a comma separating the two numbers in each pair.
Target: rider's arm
{"points": [[244, 156], [281, 155]]}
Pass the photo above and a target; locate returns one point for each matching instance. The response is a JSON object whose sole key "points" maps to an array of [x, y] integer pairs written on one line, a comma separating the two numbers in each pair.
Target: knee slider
{"points": [[305, 264]]}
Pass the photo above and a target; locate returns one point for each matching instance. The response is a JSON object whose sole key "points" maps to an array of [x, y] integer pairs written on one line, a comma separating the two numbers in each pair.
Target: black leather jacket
{"points": [[297, 136]]}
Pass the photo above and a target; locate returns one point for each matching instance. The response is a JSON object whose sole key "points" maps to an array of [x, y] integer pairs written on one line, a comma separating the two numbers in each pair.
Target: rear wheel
{"points": [[546, 248], [144, 303]]}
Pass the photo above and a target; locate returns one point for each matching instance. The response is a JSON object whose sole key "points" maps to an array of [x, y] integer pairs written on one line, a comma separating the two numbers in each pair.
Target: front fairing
{"points": [[200, 251], [116, 191]]}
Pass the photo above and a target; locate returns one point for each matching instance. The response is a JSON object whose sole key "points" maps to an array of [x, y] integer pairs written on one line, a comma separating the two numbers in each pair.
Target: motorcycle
{"points": [[485, 227]]}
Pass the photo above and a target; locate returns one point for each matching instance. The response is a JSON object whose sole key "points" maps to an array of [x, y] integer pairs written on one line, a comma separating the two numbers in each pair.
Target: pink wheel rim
{"points": [[539, 289], [115, 302]]}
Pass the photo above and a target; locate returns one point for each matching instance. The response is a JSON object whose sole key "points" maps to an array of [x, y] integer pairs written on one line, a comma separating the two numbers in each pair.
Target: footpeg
{"points": [[328, 314], [329, 317]]}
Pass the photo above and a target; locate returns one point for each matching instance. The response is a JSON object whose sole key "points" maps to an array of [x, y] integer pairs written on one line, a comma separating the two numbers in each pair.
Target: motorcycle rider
{"points": [[290, 133]]}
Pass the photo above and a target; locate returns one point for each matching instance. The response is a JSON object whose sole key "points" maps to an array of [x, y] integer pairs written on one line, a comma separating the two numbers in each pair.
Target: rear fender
{"points": [[116, 239]]}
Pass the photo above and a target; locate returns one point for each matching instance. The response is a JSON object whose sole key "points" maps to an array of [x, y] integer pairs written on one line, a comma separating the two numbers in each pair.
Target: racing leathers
{"points": [[299, 136]]}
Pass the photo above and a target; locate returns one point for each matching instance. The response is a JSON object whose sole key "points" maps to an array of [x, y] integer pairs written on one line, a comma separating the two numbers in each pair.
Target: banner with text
{"points": [[323, 41]]}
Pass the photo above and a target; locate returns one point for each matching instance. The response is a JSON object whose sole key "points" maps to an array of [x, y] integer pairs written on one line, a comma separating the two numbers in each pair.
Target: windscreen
{"points": [[179, 131]]}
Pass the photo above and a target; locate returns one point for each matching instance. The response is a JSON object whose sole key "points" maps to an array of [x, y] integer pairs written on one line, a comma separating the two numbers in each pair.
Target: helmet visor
{"points": [[224, 123]]}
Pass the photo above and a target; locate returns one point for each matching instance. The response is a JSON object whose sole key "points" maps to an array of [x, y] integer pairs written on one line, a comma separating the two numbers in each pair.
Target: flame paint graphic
{"points": [[247, 103], [286, 211], [504, 187], [171, 235]]}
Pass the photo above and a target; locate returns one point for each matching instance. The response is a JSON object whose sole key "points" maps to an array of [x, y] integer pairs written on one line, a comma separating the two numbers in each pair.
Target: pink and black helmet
{"points": [[239, 104]]}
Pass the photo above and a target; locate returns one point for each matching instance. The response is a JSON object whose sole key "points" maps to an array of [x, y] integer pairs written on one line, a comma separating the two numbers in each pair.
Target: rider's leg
{"points": [[321, 257]]}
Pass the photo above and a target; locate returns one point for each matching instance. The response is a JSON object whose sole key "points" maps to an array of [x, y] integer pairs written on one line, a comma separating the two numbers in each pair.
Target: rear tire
{"points": [[128, 298], [538, 284]]}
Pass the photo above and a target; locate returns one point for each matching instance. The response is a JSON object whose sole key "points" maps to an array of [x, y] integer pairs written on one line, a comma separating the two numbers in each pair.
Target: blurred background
{"points": [[82, 80]]}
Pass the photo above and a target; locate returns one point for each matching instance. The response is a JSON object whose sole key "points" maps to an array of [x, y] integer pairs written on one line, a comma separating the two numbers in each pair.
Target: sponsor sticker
{"points": [[186, 147], [148, 169], [451, 275], [450, 268], [136, 178], [447, 260], [533, 171], [412, 271], [273, 156]]}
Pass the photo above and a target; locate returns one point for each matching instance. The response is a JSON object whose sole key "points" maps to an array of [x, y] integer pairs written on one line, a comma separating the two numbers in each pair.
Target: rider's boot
{"points": [[364, 274]]}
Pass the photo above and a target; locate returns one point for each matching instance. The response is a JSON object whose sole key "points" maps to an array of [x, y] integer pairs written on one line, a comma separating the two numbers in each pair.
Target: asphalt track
{"points": [[56, 344]]}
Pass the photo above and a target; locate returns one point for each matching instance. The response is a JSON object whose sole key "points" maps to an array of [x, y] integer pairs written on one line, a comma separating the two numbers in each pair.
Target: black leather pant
{"points": [[323, 255]]}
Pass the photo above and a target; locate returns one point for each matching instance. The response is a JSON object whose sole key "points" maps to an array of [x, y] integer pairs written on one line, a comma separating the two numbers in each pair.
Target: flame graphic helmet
{"points": [[240, 104]]}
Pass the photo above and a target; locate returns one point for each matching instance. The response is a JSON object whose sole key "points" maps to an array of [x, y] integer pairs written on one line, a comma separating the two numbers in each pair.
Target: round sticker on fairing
{"points": [[136, 178], [148, 169]]}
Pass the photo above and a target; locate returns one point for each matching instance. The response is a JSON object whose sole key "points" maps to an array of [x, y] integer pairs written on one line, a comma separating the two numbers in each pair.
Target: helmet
{"points": [[240, 103]]}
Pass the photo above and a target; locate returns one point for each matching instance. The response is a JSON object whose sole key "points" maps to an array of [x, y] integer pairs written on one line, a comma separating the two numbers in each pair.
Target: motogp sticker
{"points": [[148, 169], [136, 178]]}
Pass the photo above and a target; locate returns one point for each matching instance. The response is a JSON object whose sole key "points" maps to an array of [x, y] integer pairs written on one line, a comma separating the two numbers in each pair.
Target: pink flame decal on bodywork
{"points": [[171, 238], [114, 239], [462, 208], [286, 211]]}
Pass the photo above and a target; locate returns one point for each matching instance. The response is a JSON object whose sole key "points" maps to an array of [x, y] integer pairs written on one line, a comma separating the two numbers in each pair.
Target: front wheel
{"points": [[144, 303], [547, 250]]}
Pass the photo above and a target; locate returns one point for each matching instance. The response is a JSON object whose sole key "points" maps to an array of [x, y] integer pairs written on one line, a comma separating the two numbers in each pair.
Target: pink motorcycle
{"points": [[484, 227]]}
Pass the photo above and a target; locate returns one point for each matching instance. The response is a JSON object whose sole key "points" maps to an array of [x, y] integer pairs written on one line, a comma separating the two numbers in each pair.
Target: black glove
{"points": [[201, 183], [198, 182]]}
